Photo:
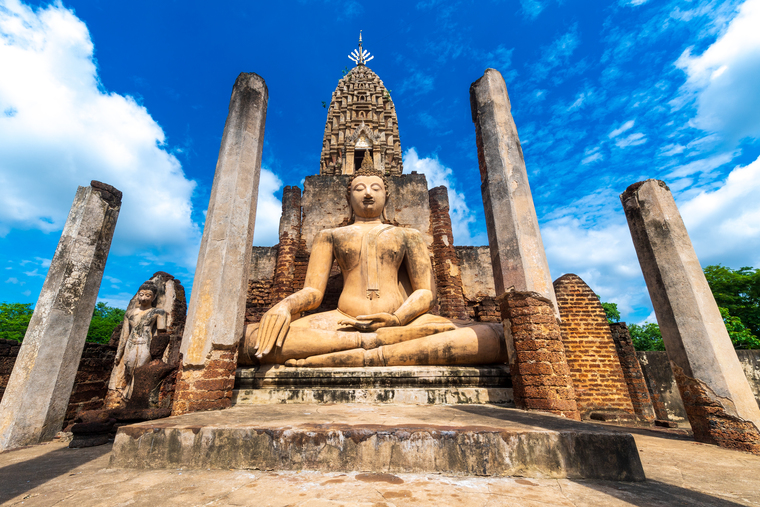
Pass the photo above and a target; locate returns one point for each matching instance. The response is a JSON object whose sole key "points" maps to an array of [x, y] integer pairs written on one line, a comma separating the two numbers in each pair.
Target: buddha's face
{"points": [[367, 196], [145, 297]]}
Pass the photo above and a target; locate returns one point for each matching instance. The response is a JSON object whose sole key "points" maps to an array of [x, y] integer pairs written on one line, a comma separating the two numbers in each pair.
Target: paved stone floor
{"points": [[679, 472]]}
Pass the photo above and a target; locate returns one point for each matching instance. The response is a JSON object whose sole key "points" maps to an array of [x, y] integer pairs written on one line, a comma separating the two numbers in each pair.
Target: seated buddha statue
{"points": [[383, 315]]}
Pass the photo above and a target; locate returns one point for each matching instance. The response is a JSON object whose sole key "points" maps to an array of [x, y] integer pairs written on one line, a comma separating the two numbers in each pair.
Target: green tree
{"points": [[104, 319], [646, 336], [741, 337], [14, 319], [738, 291]]}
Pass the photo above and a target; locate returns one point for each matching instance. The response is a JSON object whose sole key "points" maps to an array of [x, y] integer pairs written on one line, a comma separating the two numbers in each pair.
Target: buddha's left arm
{"points": [[417, 261]]}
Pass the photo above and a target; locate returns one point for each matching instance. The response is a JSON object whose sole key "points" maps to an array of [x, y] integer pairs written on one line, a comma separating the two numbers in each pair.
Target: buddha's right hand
{"points": [[272, 329]]}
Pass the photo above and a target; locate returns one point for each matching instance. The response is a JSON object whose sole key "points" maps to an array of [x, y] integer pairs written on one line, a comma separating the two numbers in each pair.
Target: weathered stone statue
{"points": [[139, 327], [382, 317]]}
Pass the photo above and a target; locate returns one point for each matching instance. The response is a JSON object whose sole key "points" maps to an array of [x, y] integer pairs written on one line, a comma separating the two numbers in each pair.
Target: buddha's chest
{"points": [[358, 246]]}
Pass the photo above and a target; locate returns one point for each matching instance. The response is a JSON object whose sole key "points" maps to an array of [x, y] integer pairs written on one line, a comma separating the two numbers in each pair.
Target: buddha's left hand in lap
{"points": [[373, 322]]}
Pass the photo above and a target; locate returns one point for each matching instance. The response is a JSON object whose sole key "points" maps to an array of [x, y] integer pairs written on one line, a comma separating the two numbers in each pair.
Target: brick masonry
{"points": [[91, 381], [634, 377], [208, 387], [540, 375], [448, 277], [600, 385], [290, 240], [710, 421]]}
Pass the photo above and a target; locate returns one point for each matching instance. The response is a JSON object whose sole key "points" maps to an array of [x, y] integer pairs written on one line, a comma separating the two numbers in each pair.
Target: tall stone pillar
{"points": [[216, 315], [517, 251], [718, 401], [290, 239], [38, 391], [447, 274]]}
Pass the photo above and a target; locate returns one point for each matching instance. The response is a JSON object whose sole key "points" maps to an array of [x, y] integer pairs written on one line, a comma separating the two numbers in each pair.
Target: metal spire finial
{"points": [[361, 56]]}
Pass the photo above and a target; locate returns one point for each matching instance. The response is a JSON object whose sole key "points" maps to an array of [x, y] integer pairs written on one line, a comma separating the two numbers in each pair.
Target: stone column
{"points": [[216, 315], [719, 403], [447, 274], [290, 239], [517, 251], [34, 404]]}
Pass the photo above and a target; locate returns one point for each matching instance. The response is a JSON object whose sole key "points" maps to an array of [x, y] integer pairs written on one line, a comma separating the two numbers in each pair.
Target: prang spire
{"points": [[361, 56]]}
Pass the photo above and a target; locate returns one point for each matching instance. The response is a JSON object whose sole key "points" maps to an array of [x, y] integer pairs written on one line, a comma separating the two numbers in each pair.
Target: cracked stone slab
{"points": [[461, 440]]}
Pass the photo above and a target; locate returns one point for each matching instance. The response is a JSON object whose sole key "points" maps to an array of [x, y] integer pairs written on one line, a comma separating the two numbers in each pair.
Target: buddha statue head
{"points": [[146, 295], [367, 192]]}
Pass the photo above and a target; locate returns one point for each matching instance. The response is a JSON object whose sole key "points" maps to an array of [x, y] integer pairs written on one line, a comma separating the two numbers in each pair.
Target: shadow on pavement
{"points": [[18, 478], [655, 493]]}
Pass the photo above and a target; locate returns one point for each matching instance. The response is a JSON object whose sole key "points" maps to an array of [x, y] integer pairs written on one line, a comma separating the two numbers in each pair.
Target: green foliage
{"points": [[104, 319], [14, 319], [738, 291], [646, 336], [324, 104], [741, 337]]}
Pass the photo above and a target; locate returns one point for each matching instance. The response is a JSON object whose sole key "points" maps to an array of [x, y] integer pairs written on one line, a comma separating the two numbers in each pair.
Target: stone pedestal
{"points": [[718, 400], [459, 440], [425, 385], [517, 251], [34, 403], [216, 314]]}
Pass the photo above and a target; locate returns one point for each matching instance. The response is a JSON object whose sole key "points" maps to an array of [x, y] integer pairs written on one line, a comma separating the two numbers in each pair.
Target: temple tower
{"points": [[361, 119]]}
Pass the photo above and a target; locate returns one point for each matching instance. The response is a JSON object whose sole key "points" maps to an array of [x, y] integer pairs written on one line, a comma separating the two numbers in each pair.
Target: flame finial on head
{"points": [[361, 56]]}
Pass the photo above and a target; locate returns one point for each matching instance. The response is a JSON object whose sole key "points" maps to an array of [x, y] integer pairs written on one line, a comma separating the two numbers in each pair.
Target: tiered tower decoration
{"points": [[361, 120]]}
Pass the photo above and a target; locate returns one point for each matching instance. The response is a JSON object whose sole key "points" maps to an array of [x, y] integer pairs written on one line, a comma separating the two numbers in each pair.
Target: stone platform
{"points": [[442, 385], [462, 440]]}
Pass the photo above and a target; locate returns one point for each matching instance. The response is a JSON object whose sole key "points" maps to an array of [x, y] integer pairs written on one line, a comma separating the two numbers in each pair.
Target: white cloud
{"points": [[60, 129], [592, 155], [266, 232], [12, 280], [634, 139], [625, 126], [120, 300], [724, 79], [532, 8], [724, 224], [34, 272], [27, 293], [437, 174]]}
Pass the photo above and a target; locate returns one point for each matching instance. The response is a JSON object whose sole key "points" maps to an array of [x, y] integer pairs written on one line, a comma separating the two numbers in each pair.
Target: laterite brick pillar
{"points": [[600, 386], [447, 274], [290, 238], [540, 375], [634, 377]]}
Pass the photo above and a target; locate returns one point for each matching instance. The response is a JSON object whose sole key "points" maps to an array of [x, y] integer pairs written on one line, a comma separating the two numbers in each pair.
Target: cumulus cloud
{"points": [[266, 232], [723, 79], [724, 224], [438, 174], [60, 128]]}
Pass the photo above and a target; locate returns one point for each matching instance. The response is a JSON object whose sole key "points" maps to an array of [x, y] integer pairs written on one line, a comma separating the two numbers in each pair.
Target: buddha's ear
{"points": [[385, 215]]}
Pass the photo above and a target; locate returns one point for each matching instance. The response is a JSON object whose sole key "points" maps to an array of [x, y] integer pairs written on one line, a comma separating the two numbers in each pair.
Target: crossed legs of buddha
{"points": [[319, 341]]}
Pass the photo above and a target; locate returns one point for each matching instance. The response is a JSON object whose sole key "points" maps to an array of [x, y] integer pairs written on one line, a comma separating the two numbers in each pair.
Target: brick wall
{"points": [[634, 378], [290, 240], [90, 383], [540, 374], [598, 378], [208, 387], [448, 279]]}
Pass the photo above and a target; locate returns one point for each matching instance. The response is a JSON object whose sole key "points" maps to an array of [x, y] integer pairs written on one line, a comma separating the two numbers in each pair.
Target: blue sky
{"points": [[604, 94]]}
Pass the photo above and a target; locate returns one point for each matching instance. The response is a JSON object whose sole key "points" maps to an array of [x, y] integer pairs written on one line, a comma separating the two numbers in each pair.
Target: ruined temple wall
{"points": [[90, 383], [477, 283], [598, 378], [259, 299]]}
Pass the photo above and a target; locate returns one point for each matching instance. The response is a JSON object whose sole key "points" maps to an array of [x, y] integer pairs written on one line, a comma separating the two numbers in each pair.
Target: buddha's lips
{"points": [[368, 200]]}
